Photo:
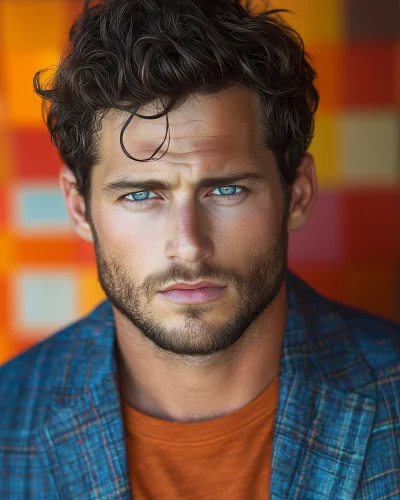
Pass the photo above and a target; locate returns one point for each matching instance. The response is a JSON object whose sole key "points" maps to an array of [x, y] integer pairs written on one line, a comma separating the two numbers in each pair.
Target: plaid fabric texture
{"points": [[337, 425], [349, 250]]}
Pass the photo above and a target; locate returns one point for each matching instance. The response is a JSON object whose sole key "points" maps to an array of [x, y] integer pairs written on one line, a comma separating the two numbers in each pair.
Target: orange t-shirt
{"points": [[225, 457]]}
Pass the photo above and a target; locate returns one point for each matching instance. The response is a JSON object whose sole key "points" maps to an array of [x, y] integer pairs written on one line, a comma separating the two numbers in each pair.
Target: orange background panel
{"points": [[23, 105], [5, 305], [45, 250], [328, 58], [32, 25], [9, 347], [371, 287], [7, 252], [90, 292], [315, 20]]}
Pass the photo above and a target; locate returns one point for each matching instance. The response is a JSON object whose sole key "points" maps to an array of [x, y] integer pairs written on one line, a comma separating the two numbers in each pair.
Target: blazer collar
{"points": [[322, 422]]}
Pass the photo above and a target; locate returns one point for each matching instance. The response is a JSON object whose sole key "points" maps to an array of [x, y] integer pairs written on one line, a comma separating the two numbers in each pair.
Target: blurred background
{"points": [[350, 249]]}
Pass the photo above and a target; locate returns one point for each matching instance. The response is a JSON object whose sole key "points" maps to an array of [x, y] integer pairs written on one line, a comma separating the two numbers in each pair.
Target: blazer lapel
{"points": [[320, 440], [323, 419], [83, 442], [84, 446]]}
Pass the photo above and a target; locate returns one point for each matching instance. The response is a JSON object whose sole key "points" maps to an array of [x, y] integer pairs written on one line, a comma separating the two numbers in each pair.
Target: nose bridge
{"points": [[188, 232]]}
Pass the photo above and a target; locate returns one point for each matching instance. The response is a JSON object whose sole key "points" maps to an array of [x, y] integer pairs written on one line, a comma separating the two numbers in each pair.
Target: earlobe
{"points": [[304, 194], [75, 204]]}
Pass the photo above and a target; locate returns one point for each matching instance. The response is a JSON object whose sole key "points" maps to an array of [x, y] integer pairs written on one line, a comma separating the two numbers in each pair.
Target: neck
{"points": [[187, 390]]}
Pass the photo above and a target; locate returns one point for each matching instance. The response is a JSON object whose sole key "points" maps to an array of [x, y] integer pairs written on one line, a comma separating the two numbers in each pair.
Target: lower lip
{"points": [[194, 296]]}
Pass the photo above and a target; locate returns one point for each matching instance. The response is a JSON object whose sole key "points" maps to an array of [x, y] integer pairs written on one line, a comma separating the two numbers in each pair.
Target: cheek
{"points": [[256, 230], [260, 224], [251, 234], [131, 241]]}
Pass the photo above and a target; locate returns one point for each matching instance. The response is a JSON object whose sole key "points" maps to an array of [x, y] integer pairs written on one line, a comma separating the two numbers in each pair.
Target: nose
{"points": [[189, 231]]}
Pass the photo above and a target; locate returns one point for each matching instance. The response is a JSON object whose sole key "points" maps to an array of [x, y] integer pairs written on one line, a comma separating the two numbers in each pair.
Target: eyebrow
{"points": [[126, 184]]}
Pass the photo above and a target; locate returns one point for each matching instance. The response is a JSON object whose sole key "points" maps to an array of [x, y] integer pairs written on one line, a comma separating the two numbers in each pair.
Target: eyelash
{"points": [[139, 203]]}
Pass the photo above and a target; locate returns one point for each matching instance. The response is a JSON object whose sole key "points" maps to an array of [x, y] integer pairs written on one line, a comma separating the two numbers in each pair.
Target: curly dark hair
{"points": [[127, 53]]}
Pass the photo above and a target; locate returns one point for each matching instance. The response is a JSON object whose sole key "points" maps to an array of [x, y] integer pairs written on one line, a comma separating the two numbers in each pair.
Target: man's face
{"points": [[234, 234]]}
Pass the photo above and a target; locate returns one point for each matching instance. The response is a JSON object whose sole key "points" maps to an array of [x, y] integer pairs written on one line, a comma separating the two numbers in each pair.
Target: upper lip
{"points": [[193, 286]]}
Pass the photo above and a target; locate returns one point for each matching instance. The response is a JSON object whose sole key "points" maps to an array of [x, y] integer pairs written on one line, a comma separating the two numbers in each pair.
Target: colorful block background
{"points": [[350, 249]]}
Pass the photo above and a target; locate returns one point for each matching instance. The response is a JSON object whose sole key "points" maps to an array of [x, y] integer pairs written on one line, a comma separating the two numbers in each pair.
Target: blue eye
{"points": [[140, 194], [228, 187], [142, 197]]}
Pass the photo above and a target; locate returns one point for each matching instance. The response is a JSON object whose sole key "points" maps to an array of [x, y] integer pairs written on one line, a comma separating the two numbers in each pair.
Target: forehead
{"points": [[203, 129]]}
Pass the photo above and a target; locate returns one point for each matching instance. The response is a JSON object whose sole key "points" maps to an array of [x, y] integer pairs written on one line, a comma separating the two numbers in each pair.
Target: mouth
{"points": [[192, 286], [191, 295]]}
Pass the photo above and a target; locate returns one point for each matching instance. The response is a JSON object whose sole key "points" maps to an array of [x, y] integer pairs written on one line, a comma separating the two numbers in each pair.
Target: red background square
{"points": [[34, 155], [371, 225], [370, 74]]}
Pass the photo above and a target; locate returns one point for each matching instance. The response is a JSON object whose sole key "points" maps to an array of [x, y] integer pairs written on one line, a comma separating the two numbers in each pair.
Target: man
{"points": [[210, 371]]}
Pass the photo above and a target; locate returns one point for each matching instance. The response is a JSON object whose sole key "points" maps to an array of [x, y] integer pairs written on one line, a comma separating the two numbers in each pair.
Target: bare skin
{"points": [[192, 234]]}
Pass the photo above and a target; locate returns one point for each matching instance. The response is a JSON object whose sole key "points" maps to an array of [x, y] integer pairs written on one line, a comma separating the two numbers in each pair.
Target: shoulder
{"points": [[346, 334], [377, 340], [27, 381], [55, 370]]}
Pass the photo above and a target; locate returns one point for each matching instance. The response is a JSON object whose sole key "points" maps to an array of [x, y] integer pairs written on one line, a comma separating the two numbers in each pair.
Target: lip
{"points": [[192, 295], [193, 286]]}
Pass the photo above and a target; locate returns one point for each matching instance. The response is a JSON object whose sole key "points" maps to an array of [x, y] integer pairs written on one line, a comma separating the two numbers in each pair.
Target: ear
{"points": [[304, 193], [75, 203]]}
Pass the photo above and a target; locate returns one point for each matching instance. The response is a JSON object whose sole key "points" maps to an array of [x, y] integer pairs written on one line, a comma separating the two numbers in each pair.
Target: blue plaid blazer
{"points": [[337, 427]]}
